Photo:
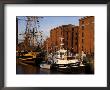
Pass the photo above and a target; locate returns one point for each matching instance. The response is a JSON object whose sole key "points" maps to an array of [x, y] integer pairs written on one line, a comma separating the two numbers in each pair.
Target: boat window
{"points": [[61, 53]]}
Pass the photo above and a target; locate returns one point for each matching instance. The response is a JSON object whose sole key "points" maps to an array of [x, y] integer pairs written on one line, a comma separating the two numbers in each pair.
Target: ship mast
{"points": [[32, 35]]}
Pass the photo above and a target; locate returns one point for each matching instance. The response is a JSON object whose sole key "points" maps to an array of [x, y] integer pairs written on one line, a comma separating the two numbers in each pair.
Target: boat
{"points": [[26, 56], [30, 55], [61, 59], [45, 65]]}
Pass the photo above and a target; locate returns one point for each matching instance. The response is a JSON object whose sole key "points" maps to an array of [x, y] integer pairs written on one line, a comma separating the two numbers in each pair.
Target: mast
{"points": [[32, 35], [61, 45]]}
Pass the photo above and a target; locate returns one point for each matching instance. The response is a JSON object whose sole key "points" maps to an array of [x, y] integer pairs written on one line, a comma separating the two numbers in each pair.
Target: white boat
{"points": [[62, 60], [45, 65]]}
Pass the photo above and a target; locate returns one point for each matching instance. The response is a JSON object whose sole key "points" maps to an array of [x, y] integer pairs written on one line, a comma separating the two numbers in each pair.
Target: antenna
{"points": [[61, 44]]}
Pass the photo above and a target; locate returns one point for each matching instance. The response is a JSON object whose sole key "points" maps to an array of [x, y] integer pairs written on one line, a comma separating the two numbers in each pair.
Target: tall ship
{"points": [[30, 48]]}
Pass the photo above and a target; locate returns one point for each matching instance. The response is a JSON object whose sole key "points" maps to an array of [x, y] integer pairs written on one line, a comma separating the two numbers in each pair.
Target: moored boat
{"points": [[45, 65]]}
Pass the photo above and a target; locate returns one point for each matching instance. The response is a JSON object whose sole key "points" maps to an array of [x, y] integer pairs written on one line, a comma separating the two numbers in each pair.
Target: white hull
{"points": [[45, 66]]}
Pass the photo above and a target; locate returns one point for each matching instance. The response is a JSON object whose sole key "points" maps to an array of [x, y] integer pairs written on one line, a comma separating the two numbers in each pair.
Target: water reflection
{"points": [[25, 68]]}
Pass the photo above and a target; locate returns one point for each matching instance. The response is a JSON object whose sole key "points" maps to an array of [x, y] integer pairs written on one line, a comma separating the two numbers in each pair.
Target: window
{"points": [[76, 34], [72, 29], [82, 41], [76, 43], [82, 27], [82, 22], [76, 38], [82, 34]]}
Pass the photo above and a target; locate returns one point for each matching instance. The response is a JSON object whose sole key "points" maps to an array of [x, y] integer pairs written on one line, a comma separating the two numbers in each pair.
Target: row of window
{"points": [[91, 21], [83, 27]]}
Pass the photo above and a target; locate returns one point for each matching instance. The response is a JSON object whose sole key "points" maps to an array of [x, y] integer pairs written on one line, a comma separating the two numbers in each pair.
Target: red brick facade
{"points": [[86, 35], [76, 38]]}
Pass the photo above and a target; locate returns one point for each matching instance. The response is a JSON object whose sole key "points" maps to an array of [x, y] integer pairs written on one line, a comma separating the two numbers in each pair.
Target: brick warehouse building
{"points": [[70, 35], [86, 35], [76, 38]]}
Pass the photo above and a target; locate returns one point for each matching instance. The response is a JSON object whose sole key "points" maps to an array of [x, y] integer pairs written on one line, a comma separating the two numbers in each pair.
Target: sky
{"points": [[47, 23]]}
